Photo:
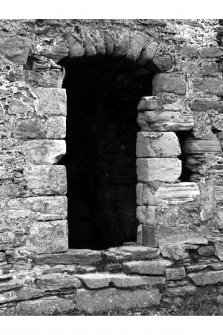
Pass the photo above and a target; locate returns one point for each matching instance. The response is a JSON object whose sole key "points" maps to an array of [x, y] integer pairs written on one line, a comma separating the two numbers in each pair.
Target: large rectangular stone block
{"points": [[170, 193], [163, 82], [43, 152], [36, 208], [45, 179], [163, 169], [113, 299], [161, 144], [165, 121], [52, 101], [47, 237]]}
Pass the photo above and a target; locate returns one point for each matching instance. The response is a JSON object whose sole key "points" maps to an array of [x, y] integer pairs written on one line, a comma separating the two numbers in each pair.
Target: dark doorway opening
{"points": [[103, 93]]}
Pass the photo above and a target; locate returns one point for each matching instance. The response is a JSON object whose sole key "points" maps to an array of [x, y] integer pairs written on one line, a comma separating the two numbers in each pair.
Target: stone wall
{"points": [[179, 241]]}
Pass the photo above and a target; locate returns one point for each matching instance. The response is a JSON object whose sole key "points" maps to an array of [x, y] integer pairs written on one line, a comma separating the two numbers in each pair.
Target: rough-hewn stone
{"points": [[206, 278], [73, 256], [168, 83], [147, 267], [16, 49], [47, 237], [45, 306], [45, 179], [175, 274], [112, 299], [160, 144], [163, 169], [56, 281]]}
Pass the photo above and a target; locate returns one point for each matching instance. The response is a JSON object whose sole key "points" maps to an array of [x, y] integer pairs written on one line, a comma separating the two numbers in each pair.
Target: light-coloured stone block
{"points": [[165, 121], [52, 101], [163, 169], [170, 193], [47, 237], [147, 267], [46, 179], [43, 152], [161, 144]]}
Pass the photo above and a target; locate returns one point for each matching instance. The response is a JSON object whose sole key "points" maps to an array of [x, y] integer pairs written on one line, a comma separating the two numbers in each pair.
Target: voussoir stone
{"points": [[113, 299], [45, 306], [72, 256], [206, 278], [160, 144], [163, 169], [168, 83], [154, 267]]}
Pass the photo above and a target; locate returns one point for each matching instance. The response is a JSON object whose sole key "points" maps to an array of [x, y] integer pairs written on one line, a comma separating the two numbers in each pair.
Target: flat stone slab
{"points": [[163, 169], [112, 299], [56, 281], [73, 256], [147, 267], [125, 253], [45, 306], [159, 144], [170, 193], [206, 278], [102, 280], [181, 291]]}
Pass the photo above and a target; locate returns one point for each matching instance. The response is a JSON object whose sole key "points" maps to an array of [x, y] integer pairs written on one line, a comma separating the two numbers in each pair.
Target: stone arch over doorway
{"points": [[104, 83]]}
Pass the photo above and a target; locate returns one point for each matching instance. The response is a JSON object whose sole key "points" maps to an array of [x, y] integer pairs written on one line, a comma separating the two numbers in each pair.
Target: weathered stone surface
{"points": [[149, 236], [75, 47], [53, 127], [209, 85], [130, 253], [136, 45], [113, 299], [217, 123], [174, 251], [208, 143], [148, 53], [16, 49], [150, 144], [47, 237], [102, 280], [163, 169], [147, 267], [181, 291], [51, 101], [43, 152], [45, 306], [175, 274], [73, 256], [204, 105], [168, 83], [45, 179], [170, 193], [56, 281], [37, 208], [165, 121], [122, 43], [219, 250], [208, 250], [149, 104], [211, 52], [206, 278], [10, 285], [163, 62]]}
